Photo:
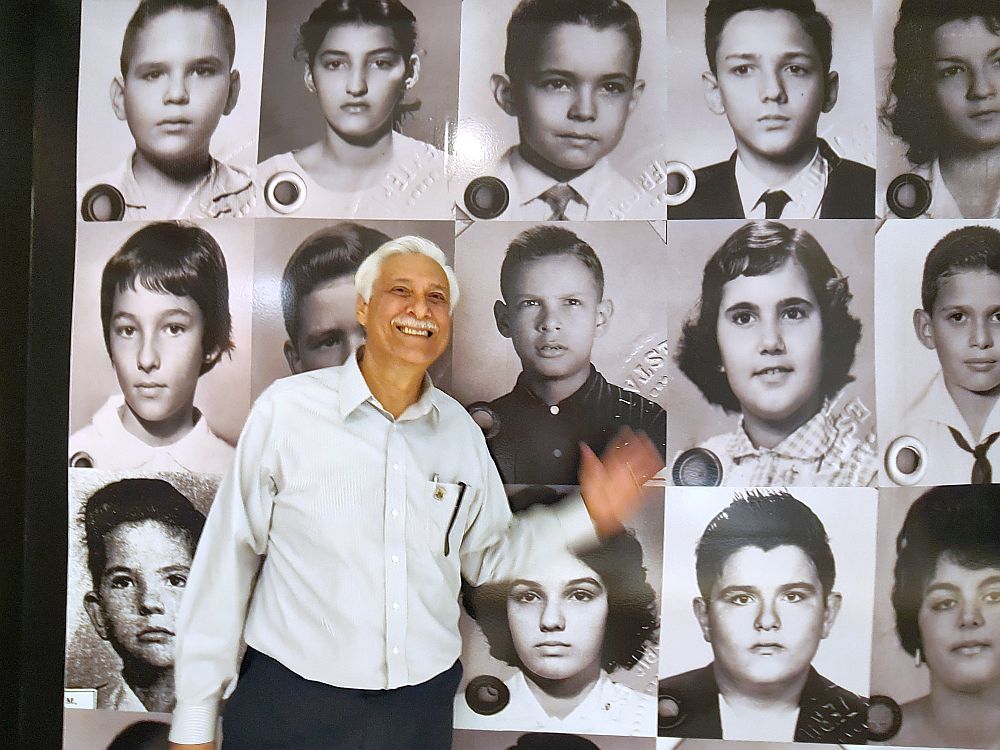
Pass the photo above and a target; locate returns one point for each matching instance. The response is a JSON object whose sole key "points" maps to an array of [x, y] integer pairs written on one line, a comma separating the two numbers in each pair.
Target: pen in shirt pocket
{"points": [[462, 486]]}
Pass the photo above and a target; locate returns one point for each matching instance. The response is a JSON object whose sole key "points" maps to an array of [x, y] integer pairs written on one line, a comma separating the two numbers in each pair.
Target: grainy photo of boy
{"points": [[132, 540]]}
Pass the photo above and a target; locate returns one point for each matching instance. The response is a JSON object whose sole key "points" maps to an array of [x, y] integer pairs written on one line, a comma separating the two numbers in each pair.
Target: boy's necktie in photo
{"points": [[558, 197], [774, 203], [982, 471]]}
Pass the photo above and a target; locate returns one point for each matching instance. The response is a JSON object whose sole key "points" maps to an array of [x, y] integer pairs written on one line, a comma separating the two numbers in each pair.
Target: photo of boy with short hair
{"points": [[553, 307], [318, 295], [765, 572], [140, 536], [177, 80], [770, 75], [955, 416], [570, 80], [166, 322]]}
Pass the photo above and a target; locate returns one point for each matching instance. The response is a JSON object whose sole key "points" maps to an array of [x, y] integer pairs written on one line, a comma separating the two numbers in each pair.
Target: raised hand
{"points": [[612, 484]]}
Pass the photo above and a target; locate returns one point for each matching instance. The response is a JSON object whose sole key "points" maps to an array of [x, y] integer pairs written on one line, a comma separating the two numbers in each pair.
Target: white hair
{"points": [[371, 267]]}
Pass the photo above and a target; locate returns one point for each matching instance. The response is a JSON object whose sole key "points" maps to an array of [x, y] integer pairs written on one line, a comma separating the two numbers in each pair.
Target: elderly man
{"points": [[360, 497]]}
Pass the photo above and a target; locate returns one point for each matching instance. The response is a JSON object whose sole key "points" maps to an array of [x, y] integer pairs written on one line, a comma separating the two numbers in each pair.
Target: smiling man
{"points": [[769, 74], [765, 572], [360, 497]]}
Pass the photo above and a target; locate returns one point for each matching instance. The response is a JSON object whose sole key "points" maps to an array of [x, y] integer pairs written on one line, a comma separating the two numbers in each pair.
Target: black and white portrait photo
{"points": [[169, 107], [772, 103], [132, 540], [672, 743], [772, 353], [938, 303], [305, 298], [471, 740], [767, 614], [160, 369], [939, 117], [560, 338], [567, 108], [935, 660], [115, 730], [569, 642], [357, 99]]}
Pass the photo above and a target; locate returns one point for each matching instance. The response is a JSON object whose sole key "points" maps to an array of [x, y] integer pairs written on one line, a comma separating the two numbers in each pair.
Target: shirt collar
{"points": [[581, 396], [221, 185], [354, 391], [935, 404], [805, 188], [532, 182], [809, 442]]}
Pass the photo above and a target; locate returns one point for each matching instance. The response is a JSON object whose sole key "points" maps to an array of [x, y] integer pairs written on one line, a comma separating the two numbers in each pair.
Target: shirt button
{"points": [[395, 513], [395, 558], [395, 606], [557, 453], [395, 649], [553, 409]]}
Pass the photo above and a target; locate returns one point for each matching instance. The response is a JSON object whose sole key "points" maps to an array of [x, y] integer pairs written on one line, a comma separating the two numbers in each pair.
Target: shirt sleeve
{"points": [[213, 612], [496, 539]]}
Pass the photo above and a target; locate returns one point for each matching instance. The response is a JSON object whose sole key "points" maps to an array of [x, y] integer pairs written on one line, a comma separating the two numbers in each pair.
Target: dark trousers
{"points": [[273, 708]]}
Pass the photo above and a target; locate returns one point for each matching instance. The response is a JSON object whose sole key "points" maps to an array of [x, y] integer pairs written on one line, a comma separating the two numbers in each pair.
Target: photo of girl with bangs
{"points": [[360, 61], [943, 102], [773, 339]]}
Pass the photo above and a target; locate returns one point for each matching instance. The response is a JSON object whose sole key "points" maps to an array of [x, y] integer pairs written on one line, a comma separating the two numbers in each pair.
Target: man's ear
{"points": [[234, 91], [922, 327], [833, 602], [117, 93], [832, 90], [501, 314], [503, 93], [637, 88], [713, 96], [92, 604], [701, 614], [361, 311], [307, 78], [411, 80], [292, 358], [605, 309]]}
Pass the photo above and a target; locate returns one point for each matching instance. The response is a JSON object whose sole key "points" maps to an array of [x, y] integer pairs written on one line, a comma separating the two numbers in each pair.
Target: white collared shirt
{"points": [[805, 189], [224, 191], [607, 194], [943, 203], [106, 444], [757, 725], [608, 708], [325, 545], [928, 419]]}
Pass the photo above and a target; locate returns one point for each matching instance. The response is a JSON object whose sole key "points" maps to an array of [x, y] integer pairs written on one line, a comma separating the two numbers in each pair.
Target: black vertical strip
{"points": [[56, 58], [16, 47]]}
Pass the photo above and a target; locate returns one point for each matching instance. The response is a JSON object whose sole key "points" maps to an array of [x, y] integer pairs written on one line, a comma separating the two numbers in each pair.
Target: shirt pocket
{"points": [[445, 508]]}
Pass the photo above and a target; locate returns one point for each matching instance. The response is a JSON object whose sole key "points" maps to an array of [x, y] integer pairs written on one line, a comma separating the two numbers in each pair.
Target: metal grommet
{"points": [[908, 196], [81, 460], [487, 695], [669, 713], [486, 197], [285, 192], [103, 203], [484, 416], [906, 460], [697, 467], [884, 718], [681, 182]]}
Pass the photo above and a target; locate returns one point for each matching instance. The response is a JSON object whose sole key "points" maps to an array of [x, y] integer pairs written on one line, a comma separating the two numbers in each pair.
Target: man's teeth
{"points": [[414, 331]]}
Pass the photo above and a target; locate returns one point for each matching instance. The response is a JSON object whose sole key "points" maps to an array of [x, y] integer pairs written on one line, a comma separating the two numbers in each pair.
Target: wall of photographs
{"points": [[779, 256]]}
